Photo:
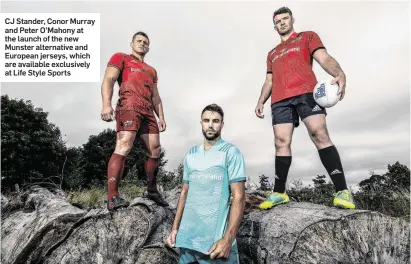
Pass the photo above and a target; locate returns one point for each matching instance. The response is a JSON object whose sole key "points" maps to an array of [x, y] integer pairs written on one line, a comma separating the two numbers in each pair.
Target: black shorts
{"points": [[291, 109]]}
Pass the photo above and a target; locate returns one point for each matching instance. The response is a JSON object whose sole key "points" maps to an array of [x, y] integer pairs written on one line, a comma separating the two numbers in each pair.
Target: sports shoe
{"points": [[274, 198], [117, 202], [156, 197], [343, 199]]}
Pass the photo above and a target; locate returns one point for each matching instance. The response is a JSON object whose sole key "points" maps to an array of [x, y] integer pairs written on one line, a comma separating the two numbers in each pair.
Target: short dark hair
{"points": [[282, 10], [214, 108], [141, 33]]}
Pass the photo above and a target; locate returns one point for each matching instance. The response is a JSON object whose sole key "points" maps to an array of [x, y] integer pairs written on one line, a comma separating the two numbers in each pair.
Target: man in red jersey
{"points": [[138, 98], [290, 82]]}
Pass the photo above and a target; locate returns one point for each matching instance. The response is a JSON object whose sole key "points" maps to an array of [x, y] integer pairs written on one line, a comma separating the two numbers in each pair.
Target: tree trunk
{"points": [[50, 230]]}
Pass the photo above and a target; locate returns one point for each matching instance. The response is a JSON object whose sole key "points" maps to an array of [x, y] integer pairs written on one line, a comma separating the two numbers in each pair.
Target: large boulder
{"points": [[311, 233], [46, 228]]}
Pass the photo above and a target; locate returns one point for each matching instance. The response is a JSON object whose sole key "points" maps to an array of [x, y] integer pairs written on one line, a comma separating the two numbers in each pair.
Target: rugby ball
{"points": [[325, 93]]}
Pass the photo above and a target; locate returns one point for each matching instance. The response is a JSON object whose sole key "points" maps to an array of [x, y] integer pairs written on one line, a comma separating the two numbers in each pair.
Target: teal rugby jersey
{"points": [[209, 174]]}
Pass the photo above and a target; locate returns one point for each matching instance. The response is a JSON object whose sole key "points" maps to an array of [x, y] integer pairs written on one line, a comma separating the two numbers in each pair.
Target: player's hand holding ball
{"points": [[327, 93], [340, 79]]}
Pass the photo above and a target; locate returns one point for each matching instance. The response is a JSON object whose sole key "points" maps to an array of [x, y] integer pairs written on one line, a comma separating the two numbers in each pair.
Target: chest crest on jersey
{"points": [[142, 70], [284, 52]]}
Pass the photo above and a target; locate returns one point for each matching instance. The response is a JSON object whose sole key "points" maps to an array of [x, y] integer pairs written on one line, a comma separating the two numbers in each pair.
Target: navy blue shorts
{"points": [[291, 109], [188, 256]]}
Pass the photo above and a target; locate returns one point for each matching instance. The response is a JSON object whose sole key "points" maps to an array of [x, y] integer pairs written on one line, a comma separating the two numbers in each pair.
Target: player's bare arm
{"points": [[265, 94], [179, 213], [158, 107], [110, 77], [331, 66], [222, 247]]}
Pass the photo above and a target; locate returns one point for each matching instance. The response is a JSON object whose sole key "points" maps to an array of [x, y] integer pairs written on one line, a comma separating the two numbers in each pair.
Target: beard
{"points": [[212, 137], [286, 32]]}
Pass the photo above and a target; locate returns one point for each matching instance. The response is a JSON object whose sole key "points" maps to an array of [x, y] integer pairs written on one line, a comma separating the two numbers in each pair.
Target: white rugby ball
{"points": [[325, 93]]}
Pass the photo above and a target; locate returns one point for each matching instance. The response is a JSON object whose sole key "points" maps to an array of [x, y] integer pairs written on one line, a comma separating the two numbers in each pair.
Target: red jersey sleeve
{"points": [[117, 60], [314, 42]]}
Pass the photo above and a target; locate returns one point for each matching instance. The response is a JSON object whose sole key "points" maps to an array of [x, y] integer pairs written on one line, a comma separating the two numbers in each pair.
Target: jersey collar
{"points": [[218, 143], [292, 36], [134, 57]]}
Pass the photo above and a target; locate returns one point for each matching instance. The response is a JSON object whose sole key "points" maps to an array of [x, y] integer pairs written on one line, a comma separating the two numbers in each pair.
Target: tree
{"points": [[32, 148], [264, 184], [72, 172], [96, 154], [388, 193], [319, 181], [398, 176]]}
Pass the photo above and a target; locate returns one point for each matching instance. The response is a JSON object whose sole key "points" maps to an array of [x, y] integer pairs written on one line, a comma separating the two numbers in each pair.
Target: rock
{"points": [[311, 233], [47, 229], [131, 235], [51, 230]]}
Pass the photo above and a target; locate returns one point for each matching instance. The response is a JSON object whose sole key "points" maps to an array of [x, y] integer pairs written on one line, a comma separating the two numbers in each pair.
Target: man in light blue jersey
{"points": [[206, 222]]}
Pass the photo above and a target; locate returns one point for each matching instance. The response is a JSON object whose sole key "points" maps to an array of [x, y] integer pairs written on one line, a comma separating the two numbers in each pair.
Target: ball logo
{"points": [[320, 91]]}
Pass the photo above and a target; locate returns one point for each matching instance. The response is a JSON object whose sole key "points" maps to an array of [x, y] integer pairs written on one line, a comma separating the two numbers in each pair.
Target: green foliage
{"points": [[93, 197], [32, 148], [320, 193], [92, 162], [96, 197], [130, 191], [264, 183], [33, 152], [388, 193], [72, 174], [170, 180]]}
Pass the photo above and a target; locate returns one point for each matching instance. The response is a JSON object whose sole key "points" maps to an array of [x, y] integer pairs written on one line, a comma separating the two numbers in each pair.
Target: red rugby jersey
{"points": [[136, 81], [290, 62]]}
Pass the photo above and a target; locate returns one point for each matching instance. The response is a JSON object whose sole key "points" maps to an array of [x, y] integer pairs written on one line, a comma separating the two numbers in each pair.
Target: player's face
{"points": [[211, 124], [140, 44], [283, 23]]}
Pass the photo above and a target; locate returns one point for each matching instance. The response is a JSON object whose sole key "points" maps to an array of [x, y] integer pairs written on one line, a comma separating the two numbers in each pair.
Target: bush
{"points": [[388, 193]]}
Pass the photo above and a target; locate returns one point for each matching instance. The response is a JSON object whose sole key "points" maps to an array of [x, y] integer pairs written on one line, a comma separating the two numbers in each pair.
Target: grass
{"points": [[97, 197]]}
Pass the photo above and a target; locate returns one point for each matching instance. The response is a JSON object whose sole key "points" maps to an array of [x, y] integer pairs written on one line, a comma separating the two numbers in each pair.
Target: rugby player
{"points": [[138, 99], [206, 225], [290, 82]]}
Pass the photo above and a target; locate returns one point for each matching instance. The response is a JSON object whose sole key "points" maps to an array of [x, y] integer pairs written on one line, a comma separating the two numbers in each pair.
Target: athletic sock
{"points": [[151, 167], [114, 171], [331, 160], [282, 165]]}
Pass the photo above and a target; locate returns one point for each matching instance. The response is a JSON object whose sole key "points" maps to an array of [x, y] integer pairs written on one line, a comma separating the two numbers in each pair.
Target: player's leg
{"points": [[149, 133], [283, 136], [314, 118], [127, 125], [152, 144], [285, 118]]}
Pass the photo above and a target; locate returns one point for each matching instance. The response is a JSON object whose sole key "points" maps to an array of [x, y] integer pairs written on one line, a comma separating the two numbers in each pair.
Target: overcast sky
{"points": [[215, 52]]}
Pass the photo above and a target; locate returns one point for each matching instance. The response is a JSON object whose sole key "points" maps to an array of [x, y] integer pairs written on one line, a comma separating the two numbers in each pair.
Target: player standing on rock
{"points": [[290, 82], [139, 97]]}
